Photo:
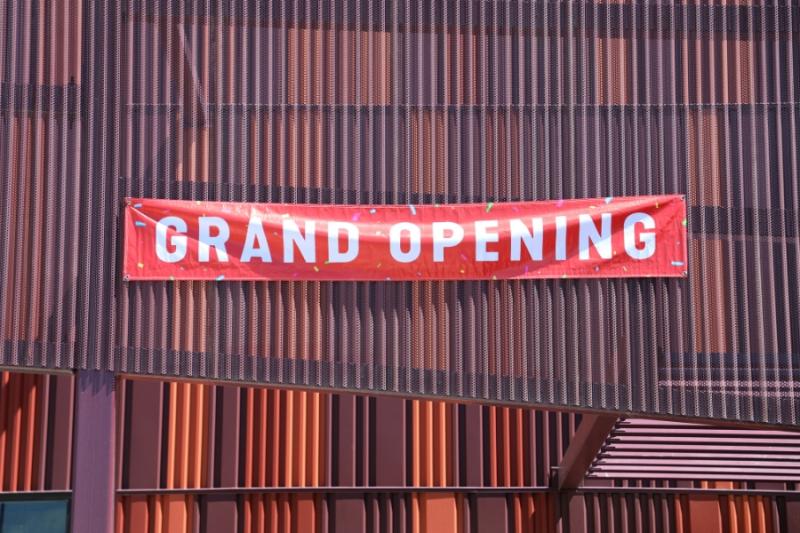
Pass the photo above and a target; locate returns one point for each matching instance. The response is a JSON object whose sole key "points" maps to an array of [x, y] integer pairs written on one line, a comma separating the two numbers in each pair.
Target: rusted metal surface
{"points": [[410, 102]]}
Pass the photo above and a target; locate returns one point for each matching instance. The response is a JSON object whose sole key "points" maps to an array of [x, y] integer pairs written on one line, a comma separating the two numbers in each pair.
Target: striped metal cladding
{"points": [[192, 435], [231, 458], [244, 441], [35, 432], [231, 479], [410, 102], [456, 513], [650, 449]]}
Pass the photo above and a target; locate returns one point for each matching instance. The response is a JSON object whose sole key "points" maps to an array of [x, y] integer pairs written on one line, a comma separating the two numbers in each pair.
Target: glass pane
{"points": [[44, 516]]}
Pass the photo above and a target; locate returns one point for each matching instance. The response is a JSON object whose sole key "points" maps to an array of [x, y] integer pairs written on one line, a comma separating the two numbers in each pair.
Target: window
{"points": [[40, 516]]}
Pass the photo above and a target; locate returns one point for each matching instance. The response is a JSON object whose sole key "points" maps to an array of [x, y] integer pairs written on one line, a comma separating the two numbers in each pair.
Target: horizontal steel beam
{"points": [[691, 476], [233, 491], [29, 495], [333, 490]]}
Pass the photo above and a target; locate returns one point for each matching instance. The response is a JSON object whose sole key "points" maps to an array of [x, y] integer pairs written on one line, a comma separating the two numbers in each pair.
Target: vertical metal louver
{"points": [[410, 101]]}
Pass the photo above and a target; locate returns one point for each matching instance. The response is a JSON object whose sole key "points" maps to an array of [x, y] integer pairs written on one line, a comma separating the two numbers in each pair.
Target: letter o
{"points": [[415, 235]]}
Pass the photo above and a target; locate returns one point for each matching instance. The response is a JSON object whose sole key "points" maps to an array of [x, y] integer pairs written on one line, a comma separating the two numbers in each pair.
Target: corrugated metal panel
{"points": [[326, 512], [35, 432], [448, 513], [39, 194], [283, 461], [681, 513], [180, 435], [198, 436], [410, 102], [649, 449], [227, 458]]}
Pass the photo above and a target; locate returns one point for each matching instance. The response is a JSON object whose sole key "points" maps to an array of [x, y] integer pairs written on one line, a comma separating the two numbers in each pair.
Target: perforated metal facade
{"points": [[410, 102]]}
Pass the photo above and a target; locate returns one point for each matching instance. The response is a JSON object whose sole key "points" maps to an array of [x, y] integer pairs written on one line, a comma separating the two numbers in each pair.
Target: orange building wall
{"points": [[255, 459]]}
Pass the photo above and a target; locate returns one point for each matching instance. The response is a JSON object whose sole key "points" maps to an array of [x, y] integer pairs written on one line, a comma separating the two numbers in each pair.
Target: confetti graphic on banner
{"points": [[582, 238]]}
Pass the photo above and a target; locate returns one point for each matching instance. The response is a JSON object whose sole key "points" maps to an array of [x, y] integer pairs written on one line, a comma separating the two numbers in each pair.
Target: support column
{"points": [[93, 452], [582, 449]]}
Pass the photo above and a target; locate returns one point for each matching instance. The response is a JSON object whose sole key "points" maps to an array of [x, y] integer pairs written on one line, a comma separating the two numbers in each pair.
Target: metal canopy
{"points": [[639, 448]]}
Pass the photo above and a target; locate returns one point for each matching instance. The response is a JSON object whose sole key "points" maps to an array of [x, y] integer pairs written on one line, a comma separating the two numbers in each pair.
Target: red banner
{"points": [[588, 238]]}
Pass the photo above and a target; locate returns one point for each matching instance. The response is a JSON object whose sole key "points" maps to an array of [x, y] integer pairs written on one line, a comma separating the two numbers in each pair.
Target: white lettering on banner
{"points": [[178, 242], [256, 235], [405, 239], [334, 254], [482, 237], [305, 243], [648, 238], [455, 234], [206, 241], [561, 238], [395, 247], [532, 239], [587, 231]]}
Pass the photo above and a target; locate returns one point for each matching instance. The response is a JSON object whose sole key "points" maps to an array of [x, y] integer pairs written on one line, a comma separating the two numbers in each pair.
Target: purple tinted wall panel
{"points": [[93, 456]]}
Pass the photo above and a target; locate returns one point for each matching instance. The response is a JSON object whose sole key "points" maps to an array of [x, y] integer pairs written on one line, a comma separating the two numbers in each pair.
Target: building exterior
{"points": [[398, 406], [204, 457]]}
